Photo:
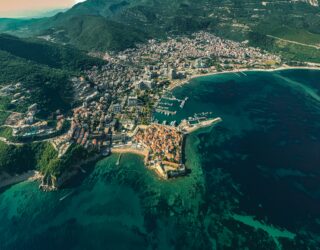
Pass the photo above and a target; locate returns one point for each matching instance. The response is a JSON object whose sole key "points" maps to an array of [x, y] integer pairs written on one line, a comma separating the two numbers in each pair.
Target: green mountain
{"points": [[118, 24], [95, 33]]}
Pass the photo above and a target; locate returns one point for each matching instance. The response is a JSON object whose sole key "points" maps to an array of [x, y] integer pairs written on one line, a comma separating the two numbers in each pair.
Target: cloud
{"points": [[19, 8]]}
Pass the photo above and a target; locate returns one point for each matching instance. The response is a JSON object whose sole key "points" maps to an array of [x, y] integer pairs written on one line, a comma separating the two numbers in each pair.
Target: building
{"points": [[132, 101], [117, 108], [172, 74]]}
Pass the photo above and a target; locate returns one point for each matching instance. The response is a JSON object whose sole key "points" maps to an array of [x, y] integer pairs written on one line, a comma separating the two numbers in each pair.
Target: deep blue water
{"points": [[254, 182]]}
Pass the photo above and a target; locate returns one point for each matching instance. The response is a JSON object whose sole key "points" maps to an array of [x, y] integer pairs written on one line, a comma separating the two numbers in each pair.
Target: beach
{"points": [[130, 150], [283, 67], [7, 180]]}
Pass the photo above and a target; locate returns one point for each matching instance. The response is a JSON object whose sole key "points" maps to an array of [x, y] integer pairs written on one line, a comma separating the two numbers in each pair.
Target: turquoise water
{"points": [[254, 181]]}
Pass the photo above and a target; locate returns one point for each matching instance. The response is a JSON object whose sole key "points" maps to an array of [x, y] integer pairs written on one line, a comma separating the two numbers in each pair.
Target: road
{"points": [[9, 142], [294, 42]]}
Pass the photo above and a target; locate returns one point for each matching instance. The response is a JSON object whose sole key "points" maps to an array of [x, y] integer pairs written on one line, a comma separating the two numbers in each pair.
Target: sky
{"points": [[25, 8]]}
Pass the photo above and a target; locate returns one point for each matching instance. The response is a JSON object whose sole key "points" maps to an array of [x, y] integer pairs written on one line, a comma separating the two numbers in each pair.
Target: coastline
{"points": [[202, 125], [283, 67], [124, 150], [7, 180], [32, 175], [129, 150]]}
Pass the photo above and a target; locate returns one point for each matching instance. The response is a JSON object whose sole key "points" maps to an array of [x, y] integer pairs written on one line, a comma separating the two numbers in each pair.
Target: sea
{"points": [[254, 180]]}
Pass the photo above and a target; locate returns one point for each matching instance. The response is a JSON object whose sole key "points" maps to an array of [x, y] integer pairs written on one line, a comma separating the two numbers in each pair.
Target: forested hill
{"points": [[44, 69], [118, 24], [49, 54]]}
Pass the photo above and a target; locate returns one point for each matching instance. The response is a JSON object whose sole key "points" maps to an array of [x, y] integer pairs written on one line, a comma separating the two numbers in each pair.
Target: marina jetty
{"points": [[190, 126], [168, 103]]}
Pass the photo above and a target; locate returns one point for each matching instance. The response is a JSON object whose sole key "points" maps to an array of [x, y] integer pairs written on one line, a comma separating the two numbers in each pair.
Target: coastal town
{"points": [[115, 104]]}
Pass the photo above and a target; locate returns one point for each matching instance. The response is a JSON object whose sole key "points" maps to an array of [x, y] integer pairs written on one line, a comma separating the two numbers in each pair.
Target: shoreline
{"points": [[129, 150], [32, 175], [9, 180], [281, 68], [202, 125], [125, 150]]}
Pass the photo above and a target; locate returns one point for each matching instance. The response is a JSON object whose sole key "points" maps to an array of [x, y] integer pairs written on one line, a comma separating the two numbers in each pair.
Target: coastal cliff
{"points": [[50, 182], [41, 161]]}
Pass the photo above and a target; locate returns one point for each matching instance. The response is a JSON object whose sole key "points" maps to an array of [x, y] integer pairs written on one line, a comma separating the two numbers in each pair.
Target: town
{"points": [[115, 103]]}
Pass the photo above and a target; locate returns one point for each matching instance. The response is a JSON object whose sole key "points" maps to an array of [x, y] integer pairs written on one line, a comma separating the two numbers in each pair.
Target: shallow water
{"points": [[254, 181]]}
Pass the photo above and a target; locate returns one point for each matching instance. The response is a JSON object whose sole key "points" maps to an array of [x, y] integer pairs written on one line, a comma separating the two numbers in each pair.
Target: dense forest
{"points": [[40, 156], [49, 54]]}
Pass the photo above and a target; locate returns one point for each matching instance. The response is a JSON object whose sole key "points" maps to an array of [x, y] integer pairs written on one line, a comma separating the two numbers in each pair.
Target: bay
{"points": [[254, 181]]}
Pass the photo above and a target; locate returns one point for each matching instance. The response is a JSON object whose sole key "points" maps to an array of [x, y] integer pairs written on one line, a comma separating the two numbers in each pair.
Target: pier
{"points": [[165, 112], [167, 105], [183, 102], [188, 128]]}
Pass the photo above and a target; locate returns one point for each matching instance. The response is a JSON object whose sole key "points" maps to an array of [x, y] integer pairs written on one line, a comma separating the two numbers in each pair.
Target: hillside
{"points": [[95, 33], [43, 69], [118, 24], [49, 54], [35, 71], [38, 156]]}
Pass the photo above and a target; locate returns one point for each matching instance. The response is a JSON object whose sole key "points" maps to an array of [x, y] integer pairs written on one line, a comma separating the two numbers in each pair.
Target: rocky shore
{"points": [[52, 183]]}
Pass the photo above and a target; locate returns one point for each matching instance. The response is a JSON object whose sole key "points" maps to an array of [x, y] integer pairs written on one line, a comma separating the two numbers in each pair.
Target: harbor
{"points": [[169, 104], [187, 127]]}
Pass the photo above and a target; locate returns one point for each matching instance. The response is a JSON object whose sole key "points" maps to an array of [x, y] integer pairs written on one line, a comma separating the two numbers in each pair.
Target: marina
{"points": [[169, 103]]}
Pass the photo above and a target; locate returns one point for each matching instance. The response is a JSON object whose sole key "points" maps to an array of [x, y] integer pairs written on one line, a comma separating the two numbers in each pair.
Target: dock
{"points": [[183, 102], [165, 112], [187, 128]]}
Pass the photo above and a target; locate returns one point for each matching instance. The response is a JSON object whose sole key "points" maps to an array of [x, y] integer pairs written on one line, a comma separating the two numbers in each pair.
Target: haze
{"points": [[25, 8]]}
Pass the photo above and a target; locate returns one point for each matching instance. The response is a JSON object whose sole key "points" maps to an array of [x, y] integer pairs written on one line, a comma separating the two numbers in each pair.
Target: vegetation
{"points": [[95, 33], [3, 117], [6, 132], [289, 51], [46, 159], [294, 34], [48, 54], [18, 159], [43, 69], [39, 156], [115, 25], [50, 88], [49, 163]]}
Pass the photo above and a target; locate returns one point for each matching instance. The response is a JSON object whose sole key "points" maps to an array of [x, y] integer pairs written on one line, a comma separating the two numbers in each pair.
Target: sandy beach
{"points": [[130, 150], [283, 67], [6, 179]]}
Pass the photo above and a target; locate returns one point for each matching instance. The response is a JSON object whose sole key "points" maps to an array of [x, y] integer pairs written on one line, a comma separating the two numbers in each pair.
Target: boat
{"points": [[118, 161], [66, 196]]}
